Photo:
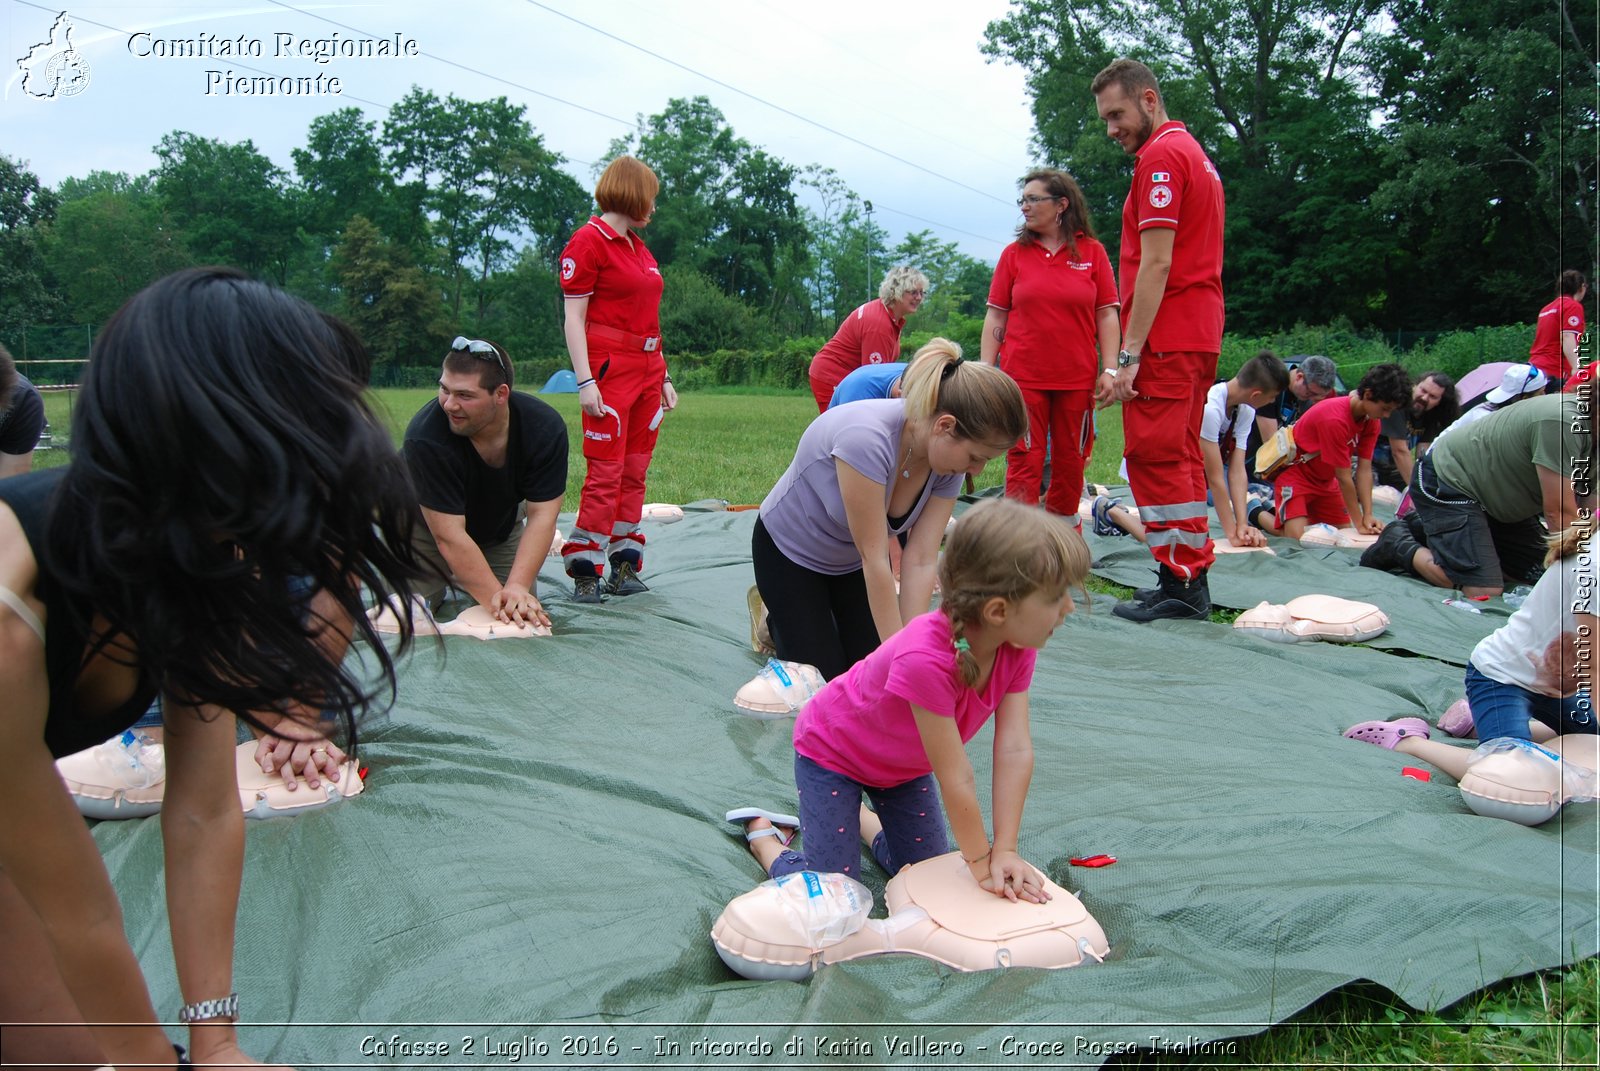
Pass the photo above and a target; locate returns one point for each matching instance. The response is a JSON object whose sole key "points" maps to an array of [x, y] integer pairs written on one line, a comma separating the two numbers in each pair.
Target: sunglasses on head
{"points": [[482, 350]]}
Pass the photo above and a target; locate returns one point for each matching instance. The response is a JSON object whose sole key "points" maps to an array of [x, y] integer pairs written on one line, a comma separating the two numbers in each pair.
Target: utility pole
{"points": [[869, 249]]}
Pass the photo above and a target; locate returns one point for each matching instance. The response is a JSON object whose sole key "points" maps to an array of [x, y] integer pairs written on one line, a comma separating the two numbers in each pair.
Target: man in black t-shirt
{"points": [[479, 455], [1434, 407], [21, 418]]}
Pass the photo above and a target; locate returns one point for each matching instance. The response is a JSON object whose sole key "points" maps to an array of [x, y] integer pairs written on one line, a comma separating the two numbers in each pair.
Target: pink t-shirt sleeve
{"points": [[925, 675]]}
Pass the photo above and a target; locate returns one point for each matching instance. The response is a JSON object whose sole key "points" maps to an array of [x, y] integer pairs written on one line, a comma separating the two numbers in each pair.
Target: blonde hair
{"points": [[1003, 549], [900, 282], [986, 403], [1567, 542]]}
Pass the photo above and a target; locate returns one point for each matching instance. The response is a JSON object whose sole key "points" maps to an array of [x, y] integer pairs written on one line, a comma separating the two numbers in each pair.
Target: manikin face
{"points": [[1129, 120], [470, 407]]}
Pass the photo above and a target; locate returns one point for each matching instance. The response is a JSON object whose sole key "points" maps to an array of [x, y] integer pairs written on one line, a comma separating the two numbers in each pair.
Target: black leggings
{"points": [[815, 618]]}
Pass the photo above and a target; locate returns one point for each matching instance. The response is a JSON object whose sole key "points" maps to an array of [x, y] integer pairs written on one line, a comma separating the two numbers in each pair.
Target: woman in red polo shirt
{"points": [[870, 334], [1052, 320], [1555, 335], [613, 331]]}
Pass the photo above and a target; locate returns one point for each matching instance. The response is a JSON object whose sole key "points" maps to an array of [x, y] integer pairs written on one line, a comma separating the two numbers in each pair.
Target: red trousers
{"points": [[1064, 420], [1161, 433], [617, 447]]}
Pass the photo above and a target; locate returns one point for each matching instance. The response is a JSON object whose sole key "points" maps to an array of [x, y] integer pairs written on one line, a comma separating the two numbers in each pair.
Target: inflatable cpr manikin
{"points": [[780, 689], [1529, 783], [474, 621], [1227, 546], [664, 512], [1314, 617], [1326, 535], [787, 928], [126, 778], [1384, 495]]}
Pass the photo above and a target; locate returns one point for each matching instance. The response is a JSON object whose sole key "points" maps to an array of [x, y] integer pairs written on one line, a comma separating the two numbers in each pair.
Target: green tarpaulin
{"points": [[539, 854]]}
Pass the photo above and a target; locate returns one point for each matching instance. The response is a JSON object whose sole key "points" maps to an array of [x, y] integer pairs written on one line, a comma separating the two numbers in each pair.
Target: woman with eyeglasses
{"points": [[870, 334], [230, 496], [612, 289], [1052, 326]]}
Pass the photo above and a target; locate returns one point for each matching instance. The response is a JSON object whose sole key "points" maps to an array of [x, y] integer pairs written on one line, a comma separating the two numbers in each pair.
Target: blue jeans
{"points": [[1504, 709], [830, 823]]}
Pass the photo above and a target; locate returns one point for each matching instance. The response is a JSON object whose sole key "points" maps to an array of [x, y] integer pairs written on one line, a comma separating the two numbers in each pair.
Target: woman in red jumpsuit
{"points": [[1052, 317], [870, 334], [613, 332]]}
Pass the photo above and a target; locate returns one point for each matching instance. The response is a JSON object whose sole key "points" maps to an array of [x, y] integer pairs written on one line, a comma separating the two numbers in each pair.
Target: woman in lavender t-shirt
{"points": [[864, 473]]}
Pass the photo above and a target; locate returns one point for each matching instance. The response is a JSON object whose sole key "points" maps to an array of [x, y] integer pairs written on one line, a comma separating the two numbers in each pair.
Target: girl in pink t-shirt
{"points": [[895, 726]]}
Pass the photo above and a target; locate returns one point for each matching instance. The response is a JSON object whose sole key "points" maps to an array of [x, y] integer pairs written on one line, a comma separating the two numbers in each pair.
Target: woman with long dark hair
{"points": [[230, 495], [1052, 326]]}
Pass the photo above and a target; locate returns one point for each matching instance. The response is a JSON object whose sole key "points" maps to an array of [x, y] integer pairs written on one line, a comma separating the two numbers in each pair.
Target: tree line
{"points": [[448, 217], [1390, 165]]}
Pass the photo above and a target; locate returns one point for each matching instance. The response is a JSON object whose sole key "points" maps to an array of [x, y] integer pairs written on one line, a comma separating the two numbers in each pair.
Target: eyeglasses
{"points": [[918, 294], [1023, 202], [482, 350]]}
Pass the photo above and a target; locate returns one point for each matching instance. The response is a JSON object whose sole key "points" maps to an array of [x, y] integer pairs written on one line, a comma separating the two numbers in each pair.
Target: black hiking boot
{"points": [[1394, 550], [1173, 600], [586, 589], [624, 578]]}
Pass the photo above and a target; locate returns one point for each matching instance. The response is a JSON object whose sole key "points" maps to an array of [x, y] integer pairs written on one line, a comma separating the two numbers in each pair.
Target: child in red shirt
{"points": [[1318, 488]]}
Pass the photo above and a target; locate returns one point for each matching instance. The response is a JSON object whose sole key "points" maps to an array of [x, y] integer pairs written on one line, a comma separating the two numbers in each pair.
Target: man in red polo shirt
{"points": [[1560, 325], [1171, 281]]}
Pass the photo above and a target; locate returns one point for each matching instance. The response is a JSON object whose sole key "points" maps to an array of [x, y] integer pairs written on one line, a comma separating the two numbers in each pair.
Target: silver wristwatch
{"points": [[217, 1008], [1124, 358]]}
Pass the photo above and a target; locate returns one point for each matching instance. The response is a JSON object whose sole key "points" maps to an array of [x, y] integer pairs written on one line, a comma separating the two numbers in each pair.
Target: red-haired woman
{"points": [[613, 331], [1052, 326]]}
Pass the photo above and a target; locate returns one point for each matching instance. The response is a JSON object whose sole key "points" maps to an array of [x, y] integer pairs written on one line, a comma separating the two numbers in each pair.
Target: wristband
{"points": [[975, 862], [1108, 371], [585, 383], [217, 1008]]}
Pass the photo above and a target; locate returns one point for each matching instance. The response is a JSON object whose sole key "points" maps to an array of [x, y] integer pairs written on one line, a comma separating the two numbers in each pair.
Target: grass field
{"points": [[734, 446], [714, 445]]}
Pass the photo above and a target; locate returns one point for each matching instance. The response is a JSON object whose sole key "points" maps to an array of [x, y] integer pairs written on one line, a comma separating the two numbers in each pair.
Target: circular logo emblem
{"points": [[568, 267], [874, 358], [1572, 320], [66, 74], [1160, 196]]}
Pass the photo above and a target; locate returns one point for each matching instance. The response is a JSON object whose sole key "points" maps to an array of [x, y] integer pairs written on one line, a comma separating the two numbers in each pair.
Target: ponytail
{"points": [[986, 403]]}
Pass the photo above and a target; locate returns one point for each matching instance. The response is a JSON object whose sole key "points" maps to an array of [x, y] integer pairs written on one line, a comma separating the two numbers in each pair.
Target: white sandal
{"points": [[742, 815]]}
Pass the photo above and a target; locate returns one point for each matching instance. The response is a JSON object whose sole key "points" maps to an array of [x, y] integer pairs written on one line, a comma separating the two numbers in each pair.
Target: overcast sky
{"points": [[905, 79]]}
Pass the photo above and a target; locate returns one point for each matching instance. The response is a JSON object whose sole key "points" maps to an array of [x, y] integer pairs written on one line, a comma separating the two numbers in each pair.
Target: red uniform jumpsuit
{"points": [[1177, 187], [1052, 303], [623, 327]]}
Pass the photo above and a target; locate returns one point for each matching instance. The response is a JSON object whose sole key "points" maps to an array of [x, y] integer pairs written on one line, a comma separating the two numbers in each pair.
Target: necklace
{"points": [[905, 466]]}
